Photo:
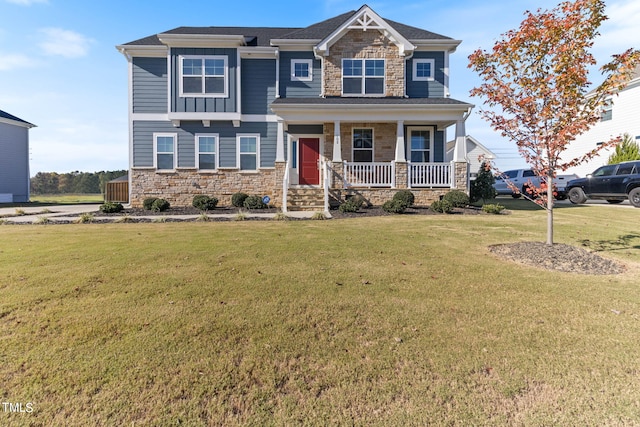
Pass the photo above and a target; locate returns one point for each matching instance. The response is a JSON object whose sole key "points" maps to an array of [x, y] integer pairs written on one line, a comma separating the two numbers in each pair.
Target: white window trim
{"points": [[225, 94], [216, 149], [238, 153], [309, 63], [373, 143], [410, 129], [423, 61], [155, 149], [364, 77]]}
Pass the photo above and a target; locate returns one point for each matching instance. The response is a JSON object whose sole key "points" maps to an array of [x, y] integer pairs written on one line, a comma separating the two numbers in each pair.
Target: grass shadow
{"points": [[626, 241]]}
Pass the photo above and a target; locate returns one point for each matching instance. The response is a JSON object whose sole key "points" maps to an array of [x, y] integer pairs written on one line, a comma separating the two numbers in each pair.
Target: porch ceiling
{"points": [[442, 112]]}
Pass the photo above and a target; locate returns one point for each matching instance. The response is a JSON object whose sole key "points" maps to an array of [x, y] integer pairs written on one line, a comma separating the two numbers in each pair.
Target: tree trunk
{"points": [[549, 209]]}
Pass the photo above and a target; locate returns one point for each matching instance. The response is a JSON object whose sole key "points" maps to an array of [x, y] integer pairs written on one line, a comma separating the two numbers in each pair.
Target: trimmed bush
{"points": [[254, 202], [493, 209], [395, 206], [111, 207], [148, 202], [456, 198], [359, 201], [406, 197], [349, 206], [442, 206], [204, 203], [237, 199], [160, 205]]}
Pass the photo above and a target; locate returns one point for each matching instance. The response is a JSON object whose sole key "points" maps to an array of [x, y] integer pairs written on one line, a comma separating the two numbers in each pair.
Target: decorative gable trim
{"points": [[365, 19]]}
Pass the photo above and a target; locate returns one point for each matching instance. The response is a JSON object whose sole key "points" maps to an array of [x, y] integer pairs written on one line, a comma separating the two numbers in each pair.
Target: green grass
{"points": [[66, 199], [390, 321]]}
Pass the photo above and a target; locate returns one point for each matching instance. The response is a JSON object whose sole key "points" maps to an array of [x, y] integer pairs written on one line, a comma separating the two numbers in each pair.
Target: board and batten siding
{"points": [[258, 85], [204, 104], [149, 85], [14, 162], [299, 89], [227, 151], [426, 89]]}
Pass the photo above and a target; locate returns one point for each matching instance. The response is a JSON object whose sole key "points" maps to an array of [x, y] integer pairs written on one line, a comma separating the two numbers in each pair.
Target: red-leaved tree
{"points": [[537, 79]]}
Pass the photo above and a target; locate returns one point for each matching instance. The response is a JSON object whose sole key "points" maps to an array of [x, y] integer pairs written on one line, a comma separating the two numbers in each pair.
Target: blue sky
{"points": [[60, 70]]}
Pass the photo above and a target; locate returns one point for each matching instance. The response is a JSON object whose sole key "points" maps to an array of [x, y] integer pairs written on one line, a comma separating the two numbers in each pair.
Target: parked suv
{"points": [[613, 183], [522, 178]]}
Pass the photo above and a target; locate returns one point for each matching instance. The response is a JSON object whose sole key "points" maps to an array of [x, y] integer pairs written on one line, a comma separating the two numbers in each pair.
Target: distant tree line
{"points": [[73, 182]]}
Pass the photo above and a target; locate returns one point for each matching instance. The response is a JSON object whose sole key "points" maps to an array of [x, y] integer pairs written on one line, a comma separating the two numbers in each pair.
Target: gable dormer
{"points": [[364, 57]]}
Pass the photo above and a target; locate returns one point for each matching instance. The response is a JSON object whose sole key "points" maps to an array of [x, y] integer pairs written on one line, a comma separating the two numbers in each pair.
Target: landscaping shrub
{"points": [[204, 203], [482, 186], [111, 207], [406, 197], [349, 206], [254, 202], [148, 202], [456, 198], [395, 206], [160, 205], [359, 201], [442, 206], [493, 209], [237, 199]]}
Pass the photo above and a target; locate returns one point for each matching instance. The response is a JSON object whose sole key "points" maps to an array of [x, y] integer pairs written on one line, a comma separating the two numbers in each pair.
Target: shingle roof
{"points": [[262, 36], [5, 115]]}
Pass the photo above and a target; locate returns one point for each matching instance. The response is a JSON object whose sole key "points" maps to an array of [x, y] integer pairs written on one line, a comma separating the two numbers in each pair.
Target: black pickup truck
{"points": [[613, 183]]}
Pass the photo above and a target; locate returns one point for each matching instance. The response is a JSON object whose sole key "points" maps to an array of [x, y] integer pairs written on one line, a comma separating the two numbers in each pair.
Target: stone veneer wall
{"points": [[367, 45], [384, 135], [180, 186]]}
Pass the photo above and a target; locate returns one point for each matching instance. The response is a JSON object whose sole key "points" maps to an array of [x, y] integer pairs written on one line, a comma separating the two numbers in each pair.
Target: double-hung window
{"points": [[248, 152], [607, 110], [363, 145], [302, 70], [421, 143], [363, 76], [204, 76], [206, 148], [423, 69], [164, 145]]}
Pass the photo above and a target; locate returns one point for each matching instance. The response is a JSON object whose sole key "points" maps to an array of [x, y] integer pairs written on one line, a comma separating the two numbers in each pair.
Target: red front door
{"points": [[309, 156]]}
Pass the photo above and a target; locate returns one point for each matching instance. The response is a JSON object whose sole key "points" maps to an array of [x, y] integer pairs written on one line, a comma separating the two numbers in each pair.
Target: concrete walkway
{"points": [[68, 213]]}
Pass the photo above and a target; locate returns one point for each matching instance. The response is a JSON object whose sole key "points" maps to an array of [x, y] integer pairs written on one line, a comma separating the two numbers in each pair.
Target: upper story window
{"points": [[607, 110], [301, 70], [362, 145], [423, 69], [204, 76], [363, 76], [164, 145], [206, 151]]}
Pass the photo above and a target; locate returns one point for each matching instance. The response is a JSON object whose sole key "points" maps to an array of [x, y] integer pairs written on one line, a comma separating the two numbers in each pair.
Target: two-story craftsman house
{"points": [[306, 116]]}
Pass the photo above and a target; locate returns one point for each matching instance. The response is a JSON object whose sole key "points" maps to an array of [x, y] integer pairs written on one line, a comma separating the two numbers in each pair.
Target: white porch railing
{"points": [[326, 170], [285, 187], [376, 174], [430, 174]]}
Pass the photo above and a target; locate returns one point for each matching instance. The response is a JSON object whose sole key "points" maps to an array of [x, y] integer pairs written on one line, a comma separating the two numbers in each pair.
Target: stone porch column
{"points": [[461, 168]]}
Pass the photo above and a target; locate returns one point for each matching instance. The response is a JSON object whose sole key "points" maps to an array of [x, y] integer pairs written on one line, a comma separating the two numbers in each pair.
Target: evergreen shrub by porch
{"points": [[237, 199], [395, 206], [406, 197], [359, 201], [493, 208], [160, 205], [456, 198], [148, 202], [204, 202], [111, 207], [482, 186], [254, 202], [442, 206], [350, 206]]}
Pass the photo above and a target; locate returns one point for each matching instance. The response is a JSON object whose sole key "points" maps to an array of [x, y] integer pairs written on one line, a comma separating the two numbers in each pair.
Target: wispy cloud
{"points": [[26, 2], [15, 61], [60, 42]]}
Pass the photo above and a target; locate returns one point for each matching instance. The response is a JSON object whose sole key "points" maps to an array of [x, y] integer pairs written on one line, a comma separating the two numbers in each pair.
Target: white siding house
{"points": [[14, 158], [475, 151], [622, 117]]}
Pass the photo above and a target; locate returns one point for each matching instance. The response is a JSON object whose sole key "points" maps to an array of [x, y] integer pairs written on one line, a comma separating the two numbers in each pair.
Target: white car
{"points": [[522, 178]]}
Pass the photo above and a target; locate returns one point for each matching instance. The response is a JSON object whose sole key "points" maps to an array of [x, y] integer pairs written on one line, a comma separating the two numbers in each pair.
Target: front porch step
{"points": [[305, 199]]}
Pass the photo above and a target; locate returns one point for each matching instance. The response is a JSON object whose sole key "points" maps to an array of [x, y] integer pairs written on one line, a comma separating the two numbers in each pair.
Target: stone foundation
{"points": [[180, 186]]}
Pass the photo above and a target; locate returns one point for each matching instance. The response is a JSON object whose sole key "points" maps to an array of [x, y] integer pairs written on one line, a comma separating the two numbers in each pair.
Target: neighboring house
{"points": [[14, 159], [476, 154], [619, 116], [306, 116]]}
